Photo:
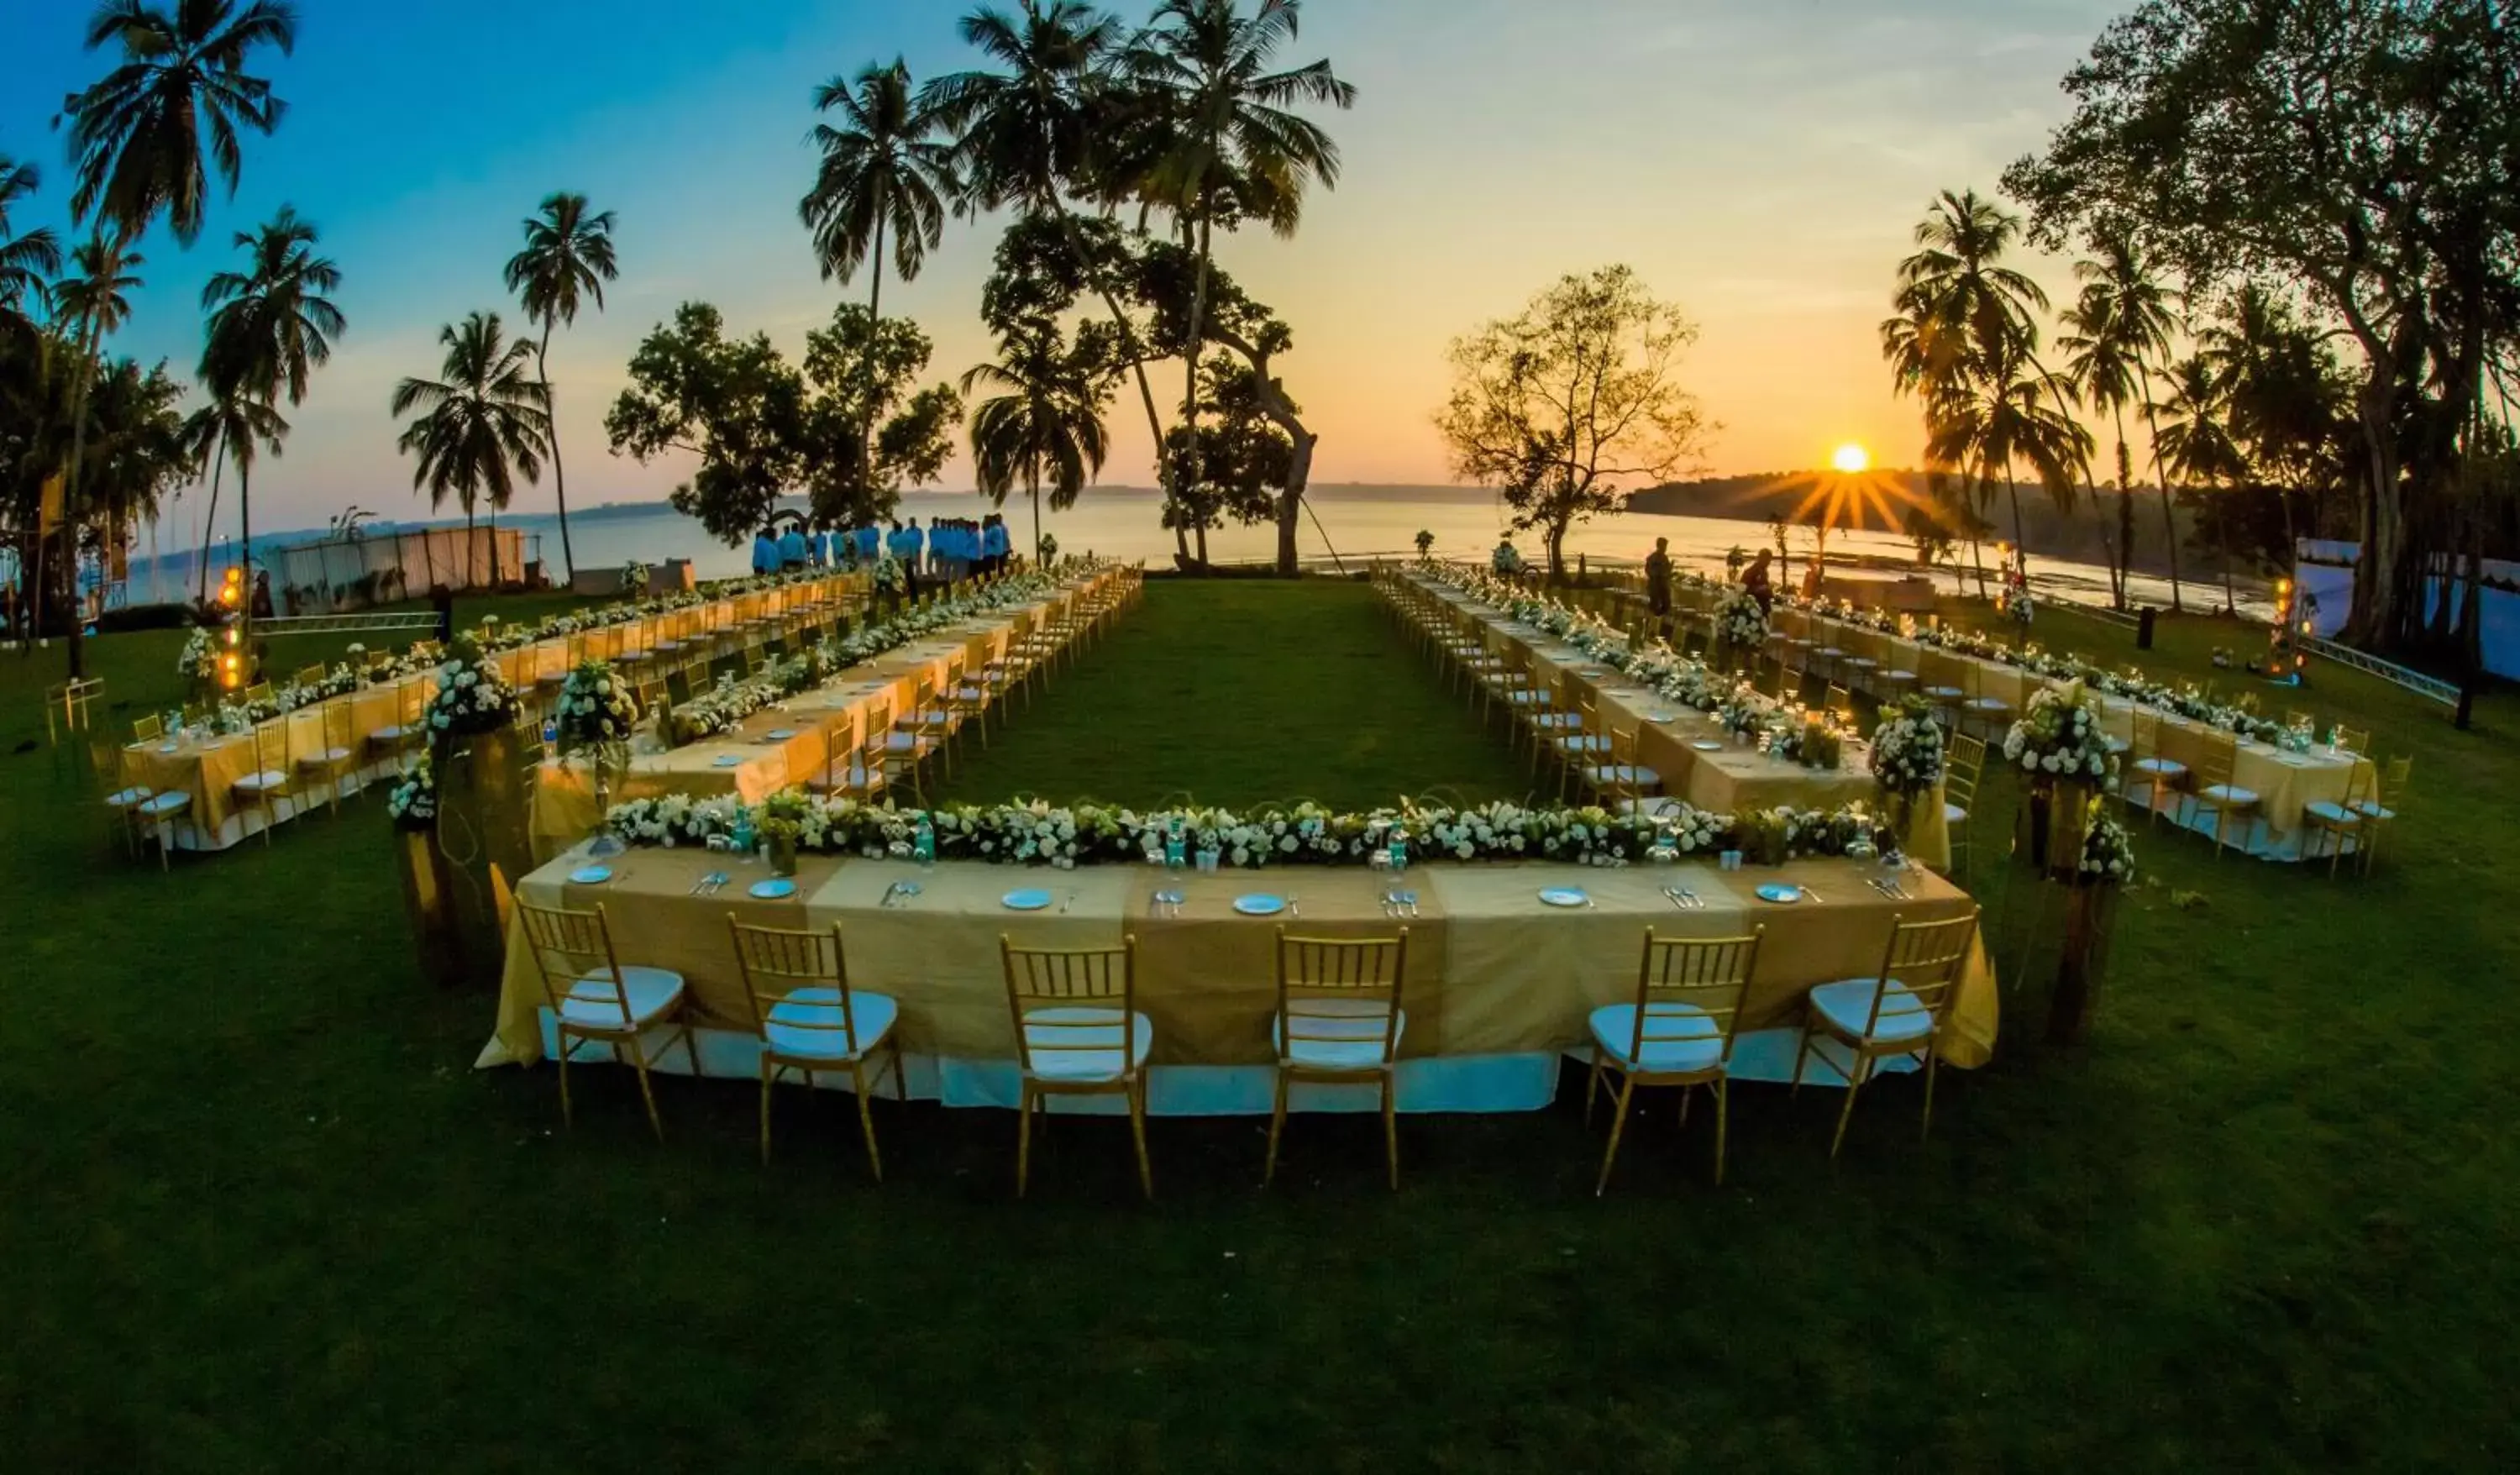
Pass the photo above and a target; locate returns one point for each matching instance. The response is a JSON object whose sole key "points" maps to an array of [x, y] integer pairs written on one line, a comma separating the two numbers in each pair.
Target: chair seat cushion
{"points": [[388, 735], [2226, 793], [1337, 1034], [970, 694], [852, 779], [653, 993], [806, 1024], [1623, 773], [1988, 705], [1944, 693], [1894, 673], [254, 783], [1557, 721], [1680, 1038], [127, 798], [2329, 812], [2166, 768], [898, 744], [2372, 809], [1954, 814], [158, 806], [1848, 1007], [1084, 1043], [326, 758], [1585, 743]]}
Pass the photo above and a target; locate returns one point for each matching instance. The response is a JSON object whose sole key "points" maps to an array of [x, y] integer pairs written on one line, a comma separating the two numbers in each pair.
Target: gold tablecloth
{"points": [[1492, 970], [748, 760]]}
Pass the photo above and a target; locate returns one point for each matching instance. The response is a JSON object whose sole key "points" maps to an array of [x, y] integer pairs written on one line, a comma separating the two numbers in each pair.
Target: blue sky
{"points": [[1761, 162]]}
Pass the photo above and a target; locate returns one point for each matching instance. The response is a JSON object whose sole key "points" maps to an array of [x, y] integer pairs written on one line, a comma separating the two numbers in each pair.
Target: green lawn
{"points": [[257, 1213]]}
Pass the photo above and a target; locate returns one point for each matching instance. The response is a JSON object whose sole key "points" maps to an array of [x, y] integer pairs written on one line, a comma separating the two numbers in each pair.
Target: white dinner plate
{"points": [[1259, 905], [772, 889], [1707, 746], [1777, 891], [591, 875], [1564, 895], [1025, 901]]}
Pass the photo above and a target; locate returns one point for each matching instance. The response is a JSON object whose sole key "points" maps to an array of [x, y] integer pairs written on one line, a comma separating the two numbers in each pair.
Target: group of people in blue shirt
{"points": [[952, 549]]}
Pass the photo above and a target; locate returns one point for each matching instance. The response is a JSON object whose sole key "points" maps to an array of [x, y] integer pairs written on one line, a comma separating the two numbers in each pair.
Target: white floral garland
{"points": [[1907, 750], [472, 697], [2059, 735]]}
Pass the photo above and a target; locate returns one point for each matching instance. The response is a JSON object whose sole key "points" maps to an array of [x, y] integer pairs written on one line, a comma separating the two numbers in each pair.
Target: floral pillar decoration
{"points": [[2064, 753], [1907, 765], [2106, 862]]}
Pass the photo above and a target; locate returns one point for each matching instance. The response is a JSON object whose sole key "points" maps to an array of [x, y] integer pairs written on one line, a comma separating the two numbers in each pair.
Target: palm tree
{"points": [[481, 426], [233, 421], [1023, 132], [2120, 330], [1929, 360], [95, 302], [2195, 439], [2005, 411], [27, 261], [1231, 122], [887, 166], [270, 326], [1047, 426], [568, 258], [1955, 280], [147, 133]]}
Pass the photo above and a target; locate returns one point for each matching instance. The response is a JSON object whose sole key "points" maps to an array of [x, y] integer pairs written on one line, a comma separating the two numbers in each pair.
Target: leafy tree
{"points": [[2365, 152], [865, 370], [93, 303], [733, 403], [482, 425], [1244, 462], [2005, 410], [270, 326], [1559, 402], [235, 421], [1227, 135], [567, 259]]}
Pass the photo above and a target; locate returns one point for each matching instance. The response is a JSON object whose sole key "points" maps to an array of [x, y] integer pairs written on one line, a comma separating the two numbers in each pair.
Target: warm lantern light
{"points": [[1851, 458]]}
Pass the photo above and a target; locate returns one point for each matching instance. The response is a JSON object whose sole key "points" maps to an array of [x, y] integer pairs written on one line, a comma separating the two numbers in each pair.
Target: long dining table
{"points": [[1499, 987], [1692, 754], [207, 766], [799, 737]]}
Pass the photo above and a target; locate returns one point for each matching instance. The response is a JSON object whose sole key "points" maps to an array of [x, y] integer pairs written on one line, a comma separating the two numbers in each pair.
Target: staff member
{"points": [[765, 552], [994, 547], [1658, 579]]}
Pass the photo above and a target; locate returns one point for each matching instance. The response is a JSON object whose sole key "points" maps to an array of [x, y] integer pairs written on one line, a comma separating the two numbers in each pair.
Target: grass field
{"points": [[257, 1213]]}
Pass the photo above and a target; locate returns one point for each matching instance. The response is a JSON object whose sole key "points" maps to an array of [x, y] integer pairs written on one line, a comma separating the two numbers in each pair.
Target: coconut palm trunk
{"points": [[211, 523], [2169, 519], [875, 322], [245, 535], [87, 371], [559, 481], [1190, 371]]}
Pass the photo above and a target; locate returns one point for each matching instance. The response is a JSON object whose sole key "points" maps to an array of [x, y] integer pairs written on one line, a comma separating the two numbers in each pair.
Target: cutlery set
{"points": [[709, 885], [1400, 904], [1889, 886], [1683, 898], [899, 893]]}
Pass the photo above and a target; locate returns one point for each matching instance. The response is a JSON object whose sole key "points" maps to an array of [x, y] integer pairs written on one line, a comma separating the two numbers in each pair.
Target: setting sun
{"points": [[1851, 458]]}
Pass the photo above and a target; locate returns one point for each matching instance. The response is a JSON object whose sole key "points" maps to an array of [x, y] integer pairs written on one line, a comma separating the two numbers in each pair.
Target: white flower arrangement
{"points": [[596, 709], [890, 576], [412, 804], [199, 660], [2108, 852], [1741, 623], [1035, 832], [472, 697], [1907, 750], [1049, 549], [2059, 736], [634, 578]]}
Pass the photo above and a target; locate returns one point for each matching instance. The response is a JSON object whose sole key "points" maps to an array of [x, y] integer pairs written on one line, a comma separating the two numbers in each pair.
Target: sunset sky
{"points": [[1761, 162]]}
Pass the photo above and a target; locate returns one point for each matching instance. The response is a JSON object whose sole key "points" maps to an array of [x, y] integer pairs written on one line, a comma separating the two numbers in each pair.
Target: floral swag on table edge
{"points": [[1039, 833]]}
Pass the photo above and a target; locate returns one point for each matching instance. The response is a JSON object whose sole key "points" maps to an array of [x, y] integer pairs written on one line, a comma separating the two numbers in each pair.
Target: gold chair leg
{"points": [[1687, 1095], [1932, 1055], [866, 1118], [646, 1093], [1618, 1129], [567, 1118], [1723, 1099], [1846, 1113], [768, 1075], [1024, 1141], [1391, 1125], [1277, 1128], [1137, 1131], [900, 1072], [1801, 1053], [1592, 1084]]}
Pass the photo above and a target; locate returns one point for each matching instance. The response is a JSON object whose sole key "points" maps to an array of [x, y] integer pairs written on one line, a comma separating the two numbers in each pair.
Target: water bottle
{"points": [[1175, 848], [742, 836], [1399, 850], [924, 843]]}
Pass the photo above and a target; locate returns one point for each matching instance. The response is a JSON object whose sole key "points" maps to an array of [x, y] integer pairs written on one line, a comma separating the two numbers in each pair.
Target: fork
{"points": [[1294, 909]]}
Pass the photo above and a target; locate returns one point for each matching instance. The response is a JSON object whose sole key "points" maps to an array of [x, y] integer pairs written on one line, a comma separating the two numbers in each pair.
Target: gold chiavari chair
{"points": [[407, 731], [1993, 712], [913, 739], [260, 691], [2214, 792], [811, 1021], [273, 778], [149, 728], [307, 675], [595, 998], [839, 730], [1964, 766], [2354, 740], [1625, 785], [1531, 699], [2381, 810], [2145, 765], [2338, 821], [967, 699], [118, 792], [1560, 719], [1790, 673], [1078, 1032], [1581, 746], [1840, 703], [1339, 1020], [1679, 1031], [335, 757], [1900, 1011]]}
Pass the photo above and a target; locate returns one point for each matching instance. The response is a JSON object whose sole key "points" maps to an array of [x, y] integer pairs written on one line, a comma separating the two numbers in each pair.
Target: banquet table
{"points": [[1696, 758], [2285, 783], [207, 766], [1499, 984], [791, 740]]}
